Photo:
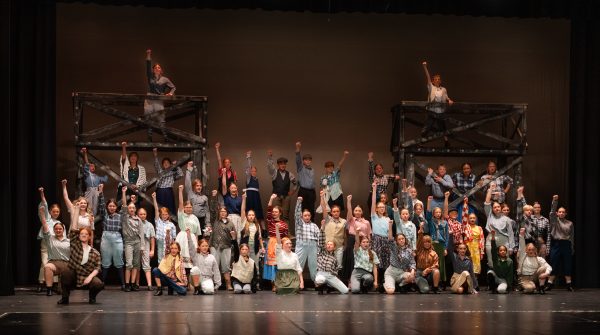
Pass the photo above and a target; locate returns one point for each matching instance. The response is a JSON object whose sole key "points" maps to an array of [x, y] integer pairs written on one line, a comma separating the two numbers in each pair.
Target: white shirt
{"points": [[86, 253], [287, 260]]}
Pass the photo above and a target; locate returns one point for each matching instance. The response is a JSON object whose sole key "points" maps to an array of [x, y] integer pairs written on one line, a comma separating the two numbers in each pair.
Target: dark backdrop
{"points": [[30, 48]]}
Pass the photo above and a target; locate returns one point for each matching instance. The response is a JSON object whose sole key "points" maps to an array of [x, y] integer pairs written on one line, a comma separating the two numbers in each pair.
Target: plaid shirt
{"points": [[93, 263], [110, 222], [463, 184], [542, 226], [326, 260], [535, 226], [305, 231], [382, 181], [362, 261], [161, 229], [166, 178], [456, 230], [402, 258]]}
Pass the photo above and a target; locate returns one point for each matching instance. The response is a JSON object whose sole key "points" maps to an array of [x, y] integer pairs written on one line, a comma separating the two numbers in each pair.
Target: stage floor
{"points": [[117, 312]]}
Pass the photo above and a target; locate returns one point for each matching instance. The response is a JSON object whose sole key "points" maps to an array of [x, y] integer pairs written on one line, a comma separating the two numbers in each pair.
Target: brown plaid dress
{"points": [[93, 263]]}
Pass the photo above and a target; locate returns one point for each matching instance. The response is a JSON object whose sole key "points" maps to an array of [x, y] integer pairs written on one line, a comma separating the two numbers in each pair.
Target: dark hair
{"points": [[111, 201], [466, 163], [329, 164], [132, 154], [167, 159], [335, 206]]}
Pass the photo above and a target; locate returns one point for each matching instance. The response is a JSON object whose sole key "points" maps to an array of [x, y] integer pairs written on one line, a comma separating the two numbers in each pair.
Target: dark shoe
{"points": [[127, 287], [319, 290], [542, 291], [159, 291], [49, 291], [197, 291], [169, 291], [258, 288], [435, 290], [92, 300], [570, 287], [40, 288], [63, 301], [549, 286], [150, 288], [135, 287], [364, 289], [124, 288]]}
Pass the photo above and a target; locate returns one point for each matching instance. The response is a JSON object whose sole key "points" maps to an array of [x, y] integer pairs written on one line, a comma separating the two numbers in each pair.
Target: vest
{"points": [[281, 186]]}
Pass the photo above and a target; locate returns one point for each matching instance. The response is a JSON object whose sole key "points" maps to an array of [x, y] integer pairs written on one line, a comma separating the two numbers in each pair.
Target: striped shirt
{"points": [[58, 250], [166, 178]]}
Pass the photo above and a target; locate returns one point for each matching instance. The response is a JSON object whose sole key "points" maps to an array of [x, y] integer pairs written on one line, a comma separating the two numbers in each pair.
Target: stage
{"points": [[308, 313]]}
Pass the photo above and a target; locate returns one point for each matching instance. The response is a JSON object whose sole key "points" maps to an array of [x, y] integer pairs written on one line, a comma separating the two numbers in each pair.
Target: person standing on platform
{"points": [[91, 181], [440, 183], [57, 248], [355, 219], [284, 184], [253, 201], [376, 175], [273, 218], [464, 182], [111, 245], [306, 180], [84, 265], [157, 85], [330, 183], [167, 172], [51, 219], [133, 174], [199, 201], [437, 100], [501, 183], [563, 244]]}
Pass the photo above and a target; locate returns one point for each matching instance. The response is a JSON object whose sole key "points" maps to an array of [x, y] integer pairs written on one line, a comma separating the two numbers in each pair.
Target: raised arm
{"points": [[343, 159], [243, 208], [270, 164], [187, 181], [43, 203], [156, 209], [217, 149], [298, 157], [357, 239], [371, 166], [426, 70], [66, 195], [85, 156], [42, 216], [446, 196], [390, 226], [277, 235], [149, 64], [429, 177], [123, 152], [180, 197], [373, 197], [324, 205], [349, 210], [224, 189], [273, 196], [298, 215], [553, 209], [248, 165]]}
